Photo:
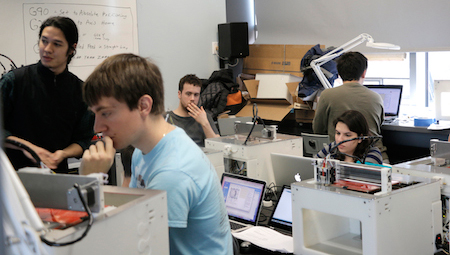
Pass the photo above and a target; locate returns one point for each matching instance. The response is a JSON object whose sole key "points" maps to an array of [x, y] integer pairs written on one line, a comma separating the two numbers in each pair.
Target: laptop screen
{"points": [[282, 213], [391, 95], [243, 197]]}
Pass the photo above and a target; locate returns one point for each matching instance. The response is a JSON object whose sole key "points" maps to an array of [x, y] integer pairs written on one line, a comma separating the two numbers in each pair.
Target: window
{"points": [[390, 69], [416, 71], [389, 72], [438, 64]]}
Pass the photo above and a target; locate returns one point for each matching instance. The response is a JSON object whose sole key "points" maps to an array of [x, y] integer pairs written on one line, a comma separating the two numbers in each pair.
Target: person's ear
{"points": [[179, 94], [145, 104], [72, 49], [364, 74]]}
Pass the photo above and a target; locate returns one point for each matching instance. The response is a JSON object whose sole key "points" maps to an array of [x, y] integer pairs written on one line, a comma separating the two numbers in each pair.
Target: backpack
{"points": [[310, 83], [213, 96]]}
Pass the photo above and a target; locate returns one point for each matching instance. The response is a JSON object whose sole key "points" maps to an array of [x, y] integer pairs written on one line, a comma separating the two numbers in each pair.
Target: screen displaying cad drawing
{"points": [[242, 199]]}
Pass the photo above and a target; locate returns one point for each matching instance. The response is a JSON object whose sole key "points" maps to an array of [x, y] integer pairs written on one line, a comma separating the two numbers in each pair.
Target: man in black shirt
{"points": [[43, 107]]}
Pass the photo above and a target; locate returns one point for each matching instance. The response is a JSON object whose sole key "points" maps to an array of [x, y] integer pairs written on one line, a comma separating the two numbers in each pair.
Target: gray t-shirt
{"points": [[192, 128]]}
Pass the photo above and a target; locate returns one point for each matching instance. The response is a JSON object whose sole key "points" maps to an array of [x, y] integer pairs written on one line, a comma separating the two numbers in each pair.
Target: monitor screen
{"points": [[243, 197], [391, 95]]}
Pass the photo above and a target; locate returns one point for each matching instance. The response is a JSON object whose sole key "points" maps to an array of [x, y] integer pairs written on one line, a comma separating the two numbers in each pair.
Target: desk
{"points": [[403, 140], [406, 142], [265, 214]]}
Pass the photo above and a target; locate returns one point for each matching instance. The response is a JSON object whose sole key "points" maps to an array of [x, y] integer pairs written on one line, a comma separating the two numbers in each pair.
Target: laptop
{"points": [[391, 95], [285, 167], [243, 200], [281, 218]]}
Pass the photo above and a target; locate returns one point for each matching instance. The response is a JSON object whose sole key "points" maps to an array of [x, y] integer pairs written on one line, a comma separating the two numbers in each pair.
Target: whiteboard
{"points": [[105, 28]]}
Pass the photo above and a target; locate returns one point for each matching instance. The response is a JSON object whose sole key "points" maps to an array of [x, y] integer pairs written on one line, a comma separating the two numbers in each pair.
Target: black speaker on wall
{"points": [[233, 40]]}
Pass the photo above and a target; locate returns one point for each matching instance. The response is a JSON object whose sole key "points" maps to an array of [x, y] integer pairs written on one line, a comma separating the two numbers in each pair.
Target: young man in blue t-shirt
{"points": [[126, 94]]}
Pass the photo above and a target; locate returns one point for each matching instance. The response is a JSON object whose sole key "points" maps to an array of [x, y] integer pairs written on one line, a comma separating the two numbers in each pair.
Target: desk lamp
{"points": [[315, 64]]}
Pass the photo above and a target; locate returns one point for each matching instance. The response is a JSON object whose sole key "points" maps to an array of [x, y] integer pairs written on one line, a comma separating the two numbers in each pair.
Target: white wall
{"points": [[242, 11], [178, 35], [415, 25]]}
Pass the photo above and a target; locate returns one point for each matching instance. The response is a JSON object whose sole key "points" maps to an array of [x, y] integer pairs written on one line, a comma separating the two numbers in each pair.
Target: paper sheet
{"points": [[267, 238], [441, 126]]}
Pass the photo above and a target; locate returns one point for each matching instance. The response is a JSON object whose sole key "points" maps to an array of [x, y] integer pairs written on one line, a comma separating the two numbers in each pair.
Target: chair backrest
{"points": [[313, 143]]}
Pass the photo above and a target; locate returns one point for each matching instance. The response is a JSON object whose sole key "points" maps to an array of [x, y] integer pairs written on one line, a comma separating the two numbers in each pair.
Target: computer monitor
{"points": [[391, 95]]}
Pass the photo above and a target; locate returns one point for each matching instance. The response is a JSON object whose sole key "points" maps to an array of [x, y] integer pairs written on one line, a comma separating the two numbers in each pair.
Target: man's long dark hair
{"points": [[69, 29]]}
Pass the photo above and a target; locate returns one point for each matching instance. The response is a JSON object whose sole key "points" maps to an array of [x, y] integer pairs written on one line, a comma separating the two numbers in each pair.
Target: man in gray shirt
{"points": [[352, 95], [195, 121]]}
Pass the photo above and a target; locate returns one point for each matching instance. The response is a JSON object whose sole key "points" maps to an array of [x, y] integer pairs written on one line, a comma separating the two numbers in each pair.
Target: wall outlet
{"points": [[215, 48]]}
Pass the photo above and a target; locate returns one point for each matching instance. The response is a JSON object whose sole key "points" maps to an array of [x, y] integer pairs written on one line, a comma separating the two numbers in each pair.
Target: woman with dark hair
{"points": [[351, 140]]}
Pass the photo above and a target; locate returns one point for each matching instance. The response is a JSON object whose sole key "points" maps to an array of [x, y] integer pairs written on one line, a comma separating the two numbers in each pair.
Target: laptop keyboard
{"points": [[236, 226], [388, 120], [283, 231]]}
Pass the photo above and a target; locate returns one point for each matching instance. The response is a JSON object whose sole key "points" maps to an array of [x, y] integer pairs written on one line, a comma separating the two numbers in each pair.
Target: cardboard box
{"points": [[277, 108], [304, 116], [273, 86], [275, 58]]}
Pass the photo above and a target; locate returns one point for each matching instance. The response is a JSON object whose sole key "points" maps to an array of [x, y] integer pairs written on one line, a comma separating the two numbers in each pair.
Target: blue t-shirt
{"points": [[198, 221]]}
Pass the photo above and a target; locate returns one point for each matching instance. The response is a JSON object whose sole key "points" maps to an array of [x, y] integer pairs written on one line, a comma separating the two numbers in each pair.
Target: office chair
{"points": [[313, 143]]}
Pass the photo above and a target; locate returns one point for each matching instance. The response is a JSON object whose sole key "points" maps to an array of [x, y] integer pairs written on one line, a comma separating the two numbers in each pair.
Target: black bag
{"points": [[310, 83], [213, 97]]}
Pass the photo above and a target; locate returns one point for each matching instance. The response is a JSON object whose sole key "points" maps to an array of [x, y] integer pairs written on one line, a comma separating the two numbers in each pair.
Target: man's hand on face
{"points": [[98, 158], [199, 114]]}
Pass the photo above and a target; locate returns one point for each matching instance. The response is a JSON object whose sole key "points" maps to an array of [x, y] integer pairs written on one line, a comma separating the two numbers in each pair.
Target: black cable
{"points": [[235, 64], [255, 117], [238, 169], [376, 138], [91, 220], [262, 121], [368, 148], [12, 62], [3, 66], [249, 133], [28, 149], [262, 217], [271, 191]]}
